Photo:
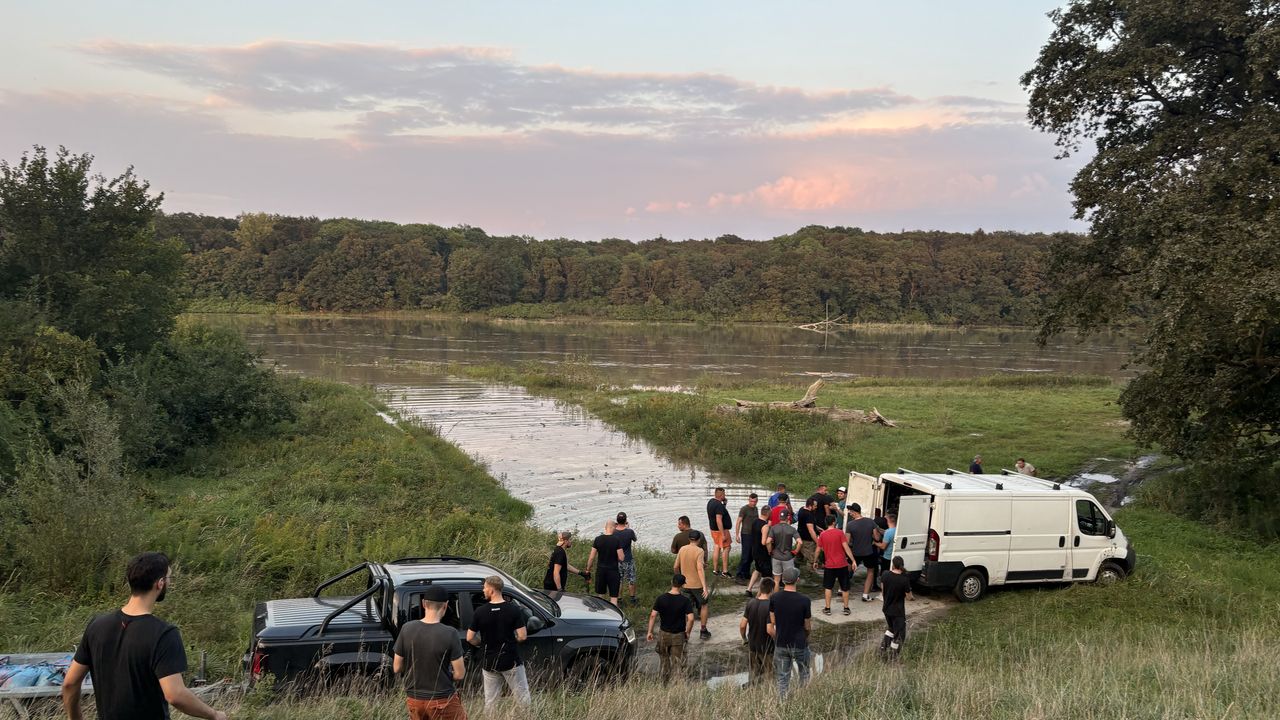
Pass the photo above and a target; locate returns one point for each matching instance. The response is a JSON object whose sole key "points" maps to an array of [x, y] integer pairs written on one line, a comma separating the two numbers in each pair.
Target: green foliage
{"points": [[80, 250], [1183, 197], [978, 278], [187, 389]]}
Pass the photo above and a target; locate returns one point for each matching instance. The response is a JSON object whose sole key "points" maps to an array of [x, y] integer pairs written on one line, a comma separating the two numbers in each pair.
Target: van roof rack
{"points": [[1033, 478], [997, 485], [904, 471]]}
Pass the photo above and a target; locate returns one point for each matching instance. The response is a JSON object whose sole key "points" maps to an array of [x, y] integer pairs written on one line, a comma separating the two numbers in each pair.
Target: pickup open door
{"points": [[865, 490], [913, 530]]}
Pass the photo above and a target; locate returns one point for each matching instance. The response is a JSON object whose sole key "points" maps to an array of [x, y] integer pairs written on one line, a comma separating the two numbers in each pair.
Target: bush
{"points": [[190, 387]]}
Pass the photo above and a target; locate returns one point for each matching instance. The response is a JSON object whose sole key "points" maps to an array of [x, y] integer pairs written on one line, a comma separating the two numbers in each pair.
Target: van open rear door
{"points": [[865, 490], [912, 534]]}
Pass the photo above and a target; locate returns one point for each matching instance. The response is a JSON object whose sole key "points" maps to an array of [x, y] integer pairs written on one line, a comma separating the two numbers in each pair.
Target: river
{"points": [[573, 469]]}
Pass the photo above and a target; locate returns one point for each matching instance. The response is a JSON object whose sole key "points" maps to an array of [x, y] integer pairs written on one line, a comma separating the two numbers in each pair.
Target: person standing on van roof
{"points": [[627, 568], [1025, 467], [790, 619], [691, 562], [863, 535], [777, 497], [608, 548], [747, 515], [683, 526], [721, 527], [897, 586], [975, 467], [675, 613], [754, 629], [136, 659]]}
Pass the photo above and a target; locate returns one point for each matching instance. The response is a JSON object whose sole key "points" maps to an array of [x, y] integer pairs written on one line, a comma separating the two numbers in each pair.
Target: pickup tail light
{"points": [[257, 667], [931, 548]]}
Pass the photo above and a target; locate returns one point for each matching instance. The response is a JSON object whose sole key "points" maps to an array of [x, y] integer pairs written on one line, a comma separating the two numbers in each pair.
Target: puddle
{"points": [[1086, 479], [574, 470]]}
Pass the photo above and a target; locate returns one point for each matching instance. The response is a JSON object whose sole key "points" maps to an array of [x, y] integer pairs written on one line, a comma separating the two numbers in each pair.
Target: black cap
{"points": [[855, 507], [435, 593], [677, 580], [694, 536]]}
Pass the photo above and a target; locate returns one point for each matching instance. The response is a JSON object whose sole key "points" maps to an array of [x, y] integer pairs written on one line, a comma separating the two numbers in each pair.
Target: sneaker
{"points": [[706, 634], [826, 611], [866, 598], [751, 593], [847, 611]]}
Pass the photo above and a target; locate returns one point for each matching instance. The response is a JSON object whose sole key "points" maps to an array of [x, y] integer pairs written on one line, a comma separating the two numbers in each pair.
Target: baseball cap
{"points": [[790, 576], [842, 489], [435, 593], [677, 580], [694, 535]]}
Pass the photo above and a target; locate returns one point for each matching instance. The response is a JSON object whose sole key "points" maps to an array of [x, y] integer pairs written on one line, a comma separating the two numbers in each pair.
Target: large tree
{"points": [[81, 250], [1182, 99]]}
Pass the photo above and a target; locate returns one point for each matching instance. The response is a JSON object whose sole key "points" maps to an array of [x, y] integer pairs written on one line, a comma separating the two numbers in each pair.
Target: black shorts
{"points": [[763, 563], [696, 597], [871, 562], [831, 576], [609, 580]]}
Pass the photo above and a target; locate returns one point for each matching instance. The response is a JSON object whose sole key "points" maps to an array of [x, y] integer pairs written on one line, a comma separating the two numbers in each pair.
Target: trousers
{"points": [[514, 678]]}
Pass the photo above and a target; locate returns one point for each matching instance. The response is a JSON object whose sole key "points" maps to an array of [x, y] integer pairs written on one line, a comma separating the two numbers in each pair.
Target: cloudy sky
{"points": [[576, 119]]}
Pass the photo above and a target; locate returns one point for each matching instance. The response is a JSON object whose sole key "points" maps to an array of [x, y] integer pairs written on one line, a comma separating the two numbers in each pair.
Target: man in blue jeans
{"points": [[746, 516], [790, 620]]}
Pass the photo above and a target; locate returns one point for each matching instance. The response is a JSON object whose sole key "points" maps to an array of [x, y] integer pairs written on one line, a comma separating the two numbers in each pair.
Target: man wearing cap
{"points": [[691, 563], [428, 658], [842, 514], [790, 620], [675, 613], [746, 518], [781, 541]]}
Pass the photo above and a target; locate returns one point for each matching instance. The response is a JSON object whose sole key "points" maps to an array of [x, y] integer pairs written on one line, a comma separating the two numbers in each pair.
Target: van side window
{"points": [[1090, 518]]}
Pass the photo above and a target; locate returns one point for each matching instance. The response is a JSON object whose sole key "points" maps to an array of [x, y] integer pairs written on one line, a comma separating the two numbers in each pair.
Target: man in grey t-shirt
{"points": [[782, 537], [428, 657]]}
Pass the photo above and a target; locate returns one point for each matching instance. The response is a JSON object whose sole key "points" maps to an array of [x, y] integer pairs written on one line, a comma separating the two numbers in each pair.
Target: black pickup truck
{"points": [[573, 637]]}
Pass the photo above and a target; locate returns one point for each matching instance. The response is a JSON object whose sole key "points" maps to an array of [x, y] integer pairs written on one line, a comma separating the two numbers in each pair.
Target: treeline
{"points": [[352, 265], [98, 381]]}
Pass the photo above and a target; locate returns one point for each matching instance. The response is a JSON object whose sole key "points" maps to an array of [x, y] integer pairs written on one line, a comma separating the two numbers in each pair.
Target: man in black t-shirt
{"points": [[825, 502], [789, 622], [558, 568], [136, 659], [501, 626], [721, 525], [428, 659], [754, 628], [674, 611], [609, 550], [809, 526], [896, 586]]}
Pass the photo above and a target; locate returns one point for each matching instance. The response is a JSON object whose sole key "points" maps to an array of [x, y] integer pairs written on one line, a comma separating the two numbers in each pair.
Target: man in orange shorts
{"points": [[428, 658], [721, 540]]}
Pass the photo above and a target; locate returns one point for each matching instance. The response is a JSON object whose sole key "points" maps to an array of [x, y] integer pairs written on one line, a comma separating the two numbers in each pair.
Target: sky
{"points": [[551, 119]]}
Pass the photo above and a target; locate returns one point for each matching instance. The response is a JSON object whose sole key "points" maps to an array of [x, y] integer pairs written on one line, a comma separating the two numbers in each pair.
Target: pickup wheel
{"points": [[589, 670], [971, 585], [1110, 574]]}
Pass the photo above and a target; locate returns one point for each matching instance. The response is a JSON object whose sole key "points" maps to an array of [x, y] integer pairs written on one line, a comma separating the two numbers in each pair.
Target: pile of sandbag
{"points": [[14, 675]]}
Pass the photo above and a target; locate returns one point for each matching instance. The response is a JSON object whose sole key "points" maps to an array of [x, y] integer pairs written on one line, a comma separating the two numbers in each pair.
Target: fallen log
{"points": [[809, 405]]}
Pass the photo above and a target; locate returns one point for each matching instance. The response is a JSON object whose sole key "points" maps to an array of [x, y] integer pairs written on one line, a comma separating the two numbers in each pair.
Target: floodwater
{"points": [[573, 469]]}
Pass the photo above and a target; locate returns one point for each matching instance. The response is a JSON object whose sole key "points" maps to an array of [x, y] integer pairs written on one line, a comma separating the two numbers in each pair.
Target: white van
{"points": [[966, 532]]}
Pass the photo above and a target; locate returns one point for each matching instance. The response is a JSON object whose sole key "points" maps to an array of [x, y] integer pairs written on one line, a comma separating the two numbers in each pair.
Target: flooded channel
{"points": [[573, 469]]}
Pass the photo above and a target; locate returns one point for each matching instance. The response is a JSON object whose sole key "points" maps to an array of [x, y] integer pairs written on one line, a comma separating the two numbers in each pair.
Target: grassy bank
{"points": [[1188, 636], [1057, 422]]}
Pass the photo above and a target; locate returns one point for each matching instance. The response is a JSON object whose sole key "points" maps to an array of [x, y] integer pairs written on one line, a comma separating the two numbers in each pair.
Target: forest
{"points": [[362, 266]]}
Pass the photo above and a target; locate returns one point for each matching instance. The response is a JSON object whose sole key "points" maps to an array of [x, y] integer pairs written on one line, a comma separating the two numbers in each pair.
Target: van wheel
{"points": [[971, 585], [1110, 574]]}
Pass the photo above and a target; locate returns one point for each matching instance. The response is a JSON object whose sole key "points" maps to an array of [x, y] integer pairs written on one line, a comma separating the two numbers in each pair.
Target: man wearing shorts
{"points": [[782, 540], [607, 547], [835, 554], [627, 568], [721, 525], [863, 535], [691, 563]]}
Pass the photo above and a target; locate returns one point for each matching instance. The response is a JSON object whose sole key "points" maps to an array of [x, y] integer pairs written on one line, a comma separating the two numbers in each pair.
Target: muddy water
{"points": [[573, 469]]}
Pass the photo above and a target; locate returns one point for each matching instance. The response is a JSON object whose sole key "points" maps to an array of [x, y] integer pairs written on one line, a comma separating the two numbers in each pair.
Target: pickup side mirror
{"points": [[534, 624]]}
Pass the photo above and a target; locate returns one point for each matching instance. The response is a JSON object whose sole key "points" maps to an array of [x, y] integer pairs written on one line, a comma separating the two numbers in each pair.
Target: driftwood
{"points": [[830, 325], [809, 405]]}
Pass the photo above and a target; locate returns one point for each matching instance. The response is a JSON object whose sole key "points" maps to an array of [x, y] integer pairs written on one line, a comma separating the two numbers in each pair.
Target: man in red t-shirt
{"points": [[835, 555], [775, 513]]}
